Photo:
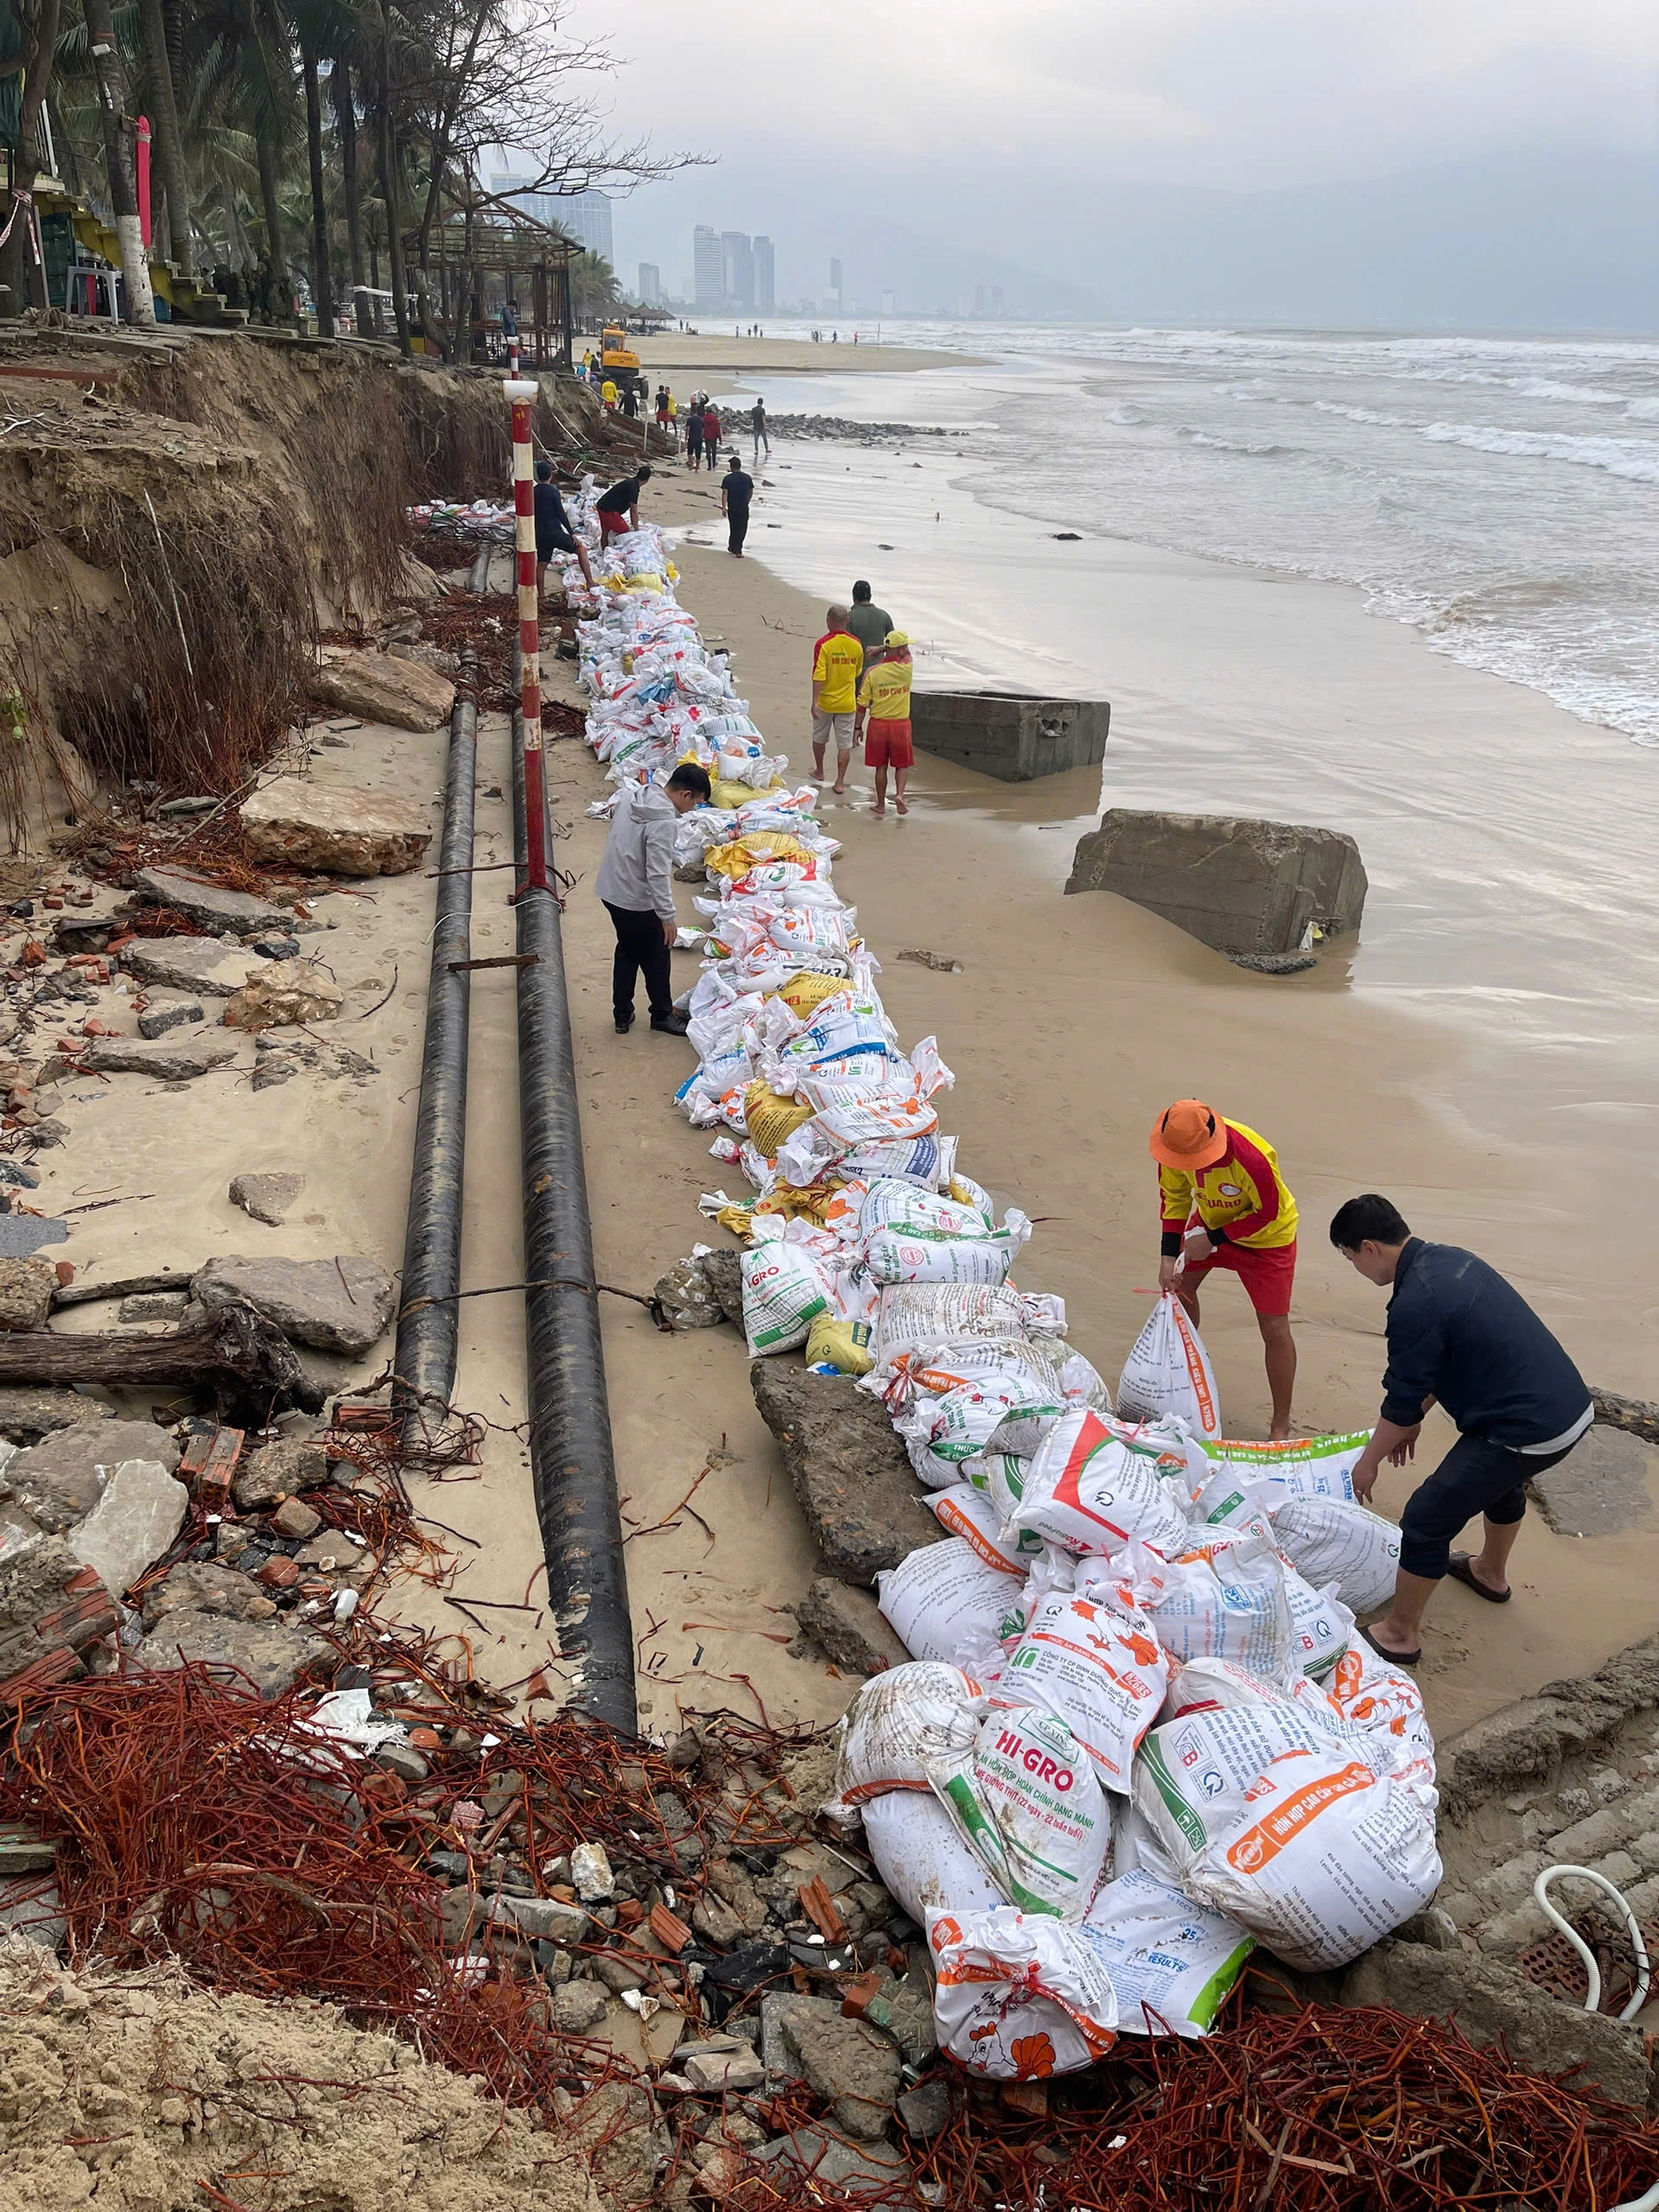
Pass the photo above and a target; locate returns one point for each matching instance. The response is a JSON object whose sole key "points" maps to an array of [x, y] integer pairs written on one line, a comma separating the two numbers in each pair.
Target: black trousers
{"points": [[1475, 1476], [737, 529], [640, 950]]}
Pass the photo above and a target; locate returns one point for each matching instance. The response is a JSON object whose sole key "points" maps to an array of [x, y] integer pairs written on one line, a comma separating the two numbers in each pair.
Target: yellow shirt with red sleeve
{"points": [[885, 691], [836, 666], [1244, 1195]]}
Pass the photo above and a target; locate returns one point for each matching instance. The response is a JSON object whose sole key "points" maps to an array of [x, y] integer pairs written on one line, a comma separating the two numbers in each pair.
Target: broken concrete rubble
{"points": [[206, 1587], [849, 1628], [271, 1655], [58, 1481], [287, 994], [27, 1415], [169, 1014], [209, 904], [267, 1197], [848, 1467], [197, 964], [26, 1289], [339, 831], [279, 1471], [385, 689], [1243, 886], [141, 1512], [341, 1304], [164, 1060]]}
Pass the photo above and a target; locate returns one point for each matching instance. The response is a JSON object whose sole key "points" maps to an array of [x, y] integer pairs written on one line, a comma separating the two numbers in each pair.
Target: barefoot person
{"points": [[837, 664], [553, 530], [636, 884], [1460, 1337], [619, 508], [884, 696], [1225, 1205]]}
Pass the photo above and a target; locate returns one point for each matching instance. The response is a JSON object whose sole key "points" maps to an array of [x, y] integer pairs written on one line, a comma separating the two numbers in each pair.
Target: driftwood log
{"points": [[1635, 1414], [238, 1356]]}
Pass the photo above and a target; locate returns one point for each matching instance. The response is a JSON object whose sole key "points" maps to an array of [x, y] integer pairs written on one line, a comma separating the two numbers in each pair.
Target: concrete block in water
{"points": [[1243, 886], [1010, 734]]}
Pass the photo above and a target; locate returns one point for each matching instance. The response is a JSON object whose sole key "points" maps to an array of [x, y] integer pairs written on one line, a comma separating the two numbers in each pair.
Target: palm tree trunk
{"points": [[388, 189], [170, 147], [114, 106], [280, 289], [15, 258], [340, 87], [323, 277]]}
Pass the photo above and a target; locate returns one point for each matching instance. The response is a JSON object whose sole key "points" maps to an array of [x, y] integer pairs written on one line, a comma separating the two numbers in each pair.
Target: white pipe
{"points": [[1648, 2203], [1592, 2000]]}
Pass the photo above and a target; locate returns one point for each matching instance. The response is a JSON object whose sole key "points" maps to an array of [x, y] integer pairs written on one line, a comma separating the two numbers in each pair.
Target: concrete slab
{"points": [[1601, 1488]]}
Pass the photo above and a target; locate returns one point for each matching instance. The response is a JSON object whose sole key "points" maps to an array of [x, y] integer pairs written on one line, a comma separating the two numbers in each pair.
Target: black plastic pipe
{"points": [[428, 1318], [479, 581], [572, 1467]]}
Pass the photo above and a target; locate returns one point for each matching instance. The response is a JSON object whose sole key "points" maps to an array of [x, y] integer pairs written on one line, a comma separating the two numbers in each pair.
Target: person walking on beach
{"points": [[636, 884], [619, 508], [1225, 1205], [837, 664], [884, 696], [868, 623], [607, 395], [1460, 1337], [553, 530], [758, 424], [662, 409], [694, 437], [711, 434], [736, 489]]}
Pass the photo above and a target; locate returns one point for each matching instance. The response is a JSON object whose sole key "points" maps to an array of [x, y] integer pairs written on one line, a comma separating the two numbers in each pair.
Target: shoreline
{"points": [[737, 356], [1113, 1011]]}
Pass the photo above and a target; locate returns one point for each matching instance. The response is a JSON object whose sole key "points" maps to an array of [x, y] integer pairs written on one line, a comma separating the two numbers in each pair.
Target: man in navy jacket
{"points": [[1461, 1336]]}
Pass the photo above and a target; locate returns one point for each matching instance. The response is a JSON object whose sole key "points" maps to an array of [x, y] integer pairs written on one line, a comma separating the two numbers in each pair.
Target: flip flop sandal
{"points": [[1394, 1658], [1461, 1568]]}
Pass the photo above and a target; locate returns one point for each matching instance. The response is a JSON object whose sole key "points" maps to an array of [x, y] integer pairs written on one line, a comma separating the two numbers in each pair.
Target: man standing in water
{"points": [[1460, 1337], [838, 663], [758, 424], [1225, 1205]]}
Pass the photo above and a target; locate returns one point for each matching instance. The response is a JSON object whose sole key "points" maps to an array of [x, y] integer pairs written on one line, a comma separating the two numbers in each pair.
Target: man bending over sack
{"points": [[1461, 1336], [1225, 1205], [636, 882]]}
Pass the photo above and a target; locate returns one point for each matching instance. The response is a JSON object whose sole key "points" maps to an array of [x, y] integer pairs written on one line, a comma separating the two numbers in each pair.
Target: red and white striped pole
{"points": [[523, 396]]}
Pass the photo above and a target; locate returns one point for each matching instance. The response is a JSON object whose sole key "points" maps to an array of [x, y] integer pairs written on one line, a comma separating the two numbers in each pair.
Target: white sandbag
{"points": [[1090, 1657], [999, 1476], [928, 1160], [1221, 1601], [891, 1720], [897, 1256], [1026, 1799], [944, 1600], [1321, 1626], [895, 1203], [1385, 1705], [783, 1294], [963, 1511], [938, 1433], [922, 1859], [1095, 1486], [1326, 1860], [1019, 1998], [1196, 1777], [973, 1364], [914, 1314], [1329, 1541], [1168, 1372], [1299, 1466], [1172, 1962]]}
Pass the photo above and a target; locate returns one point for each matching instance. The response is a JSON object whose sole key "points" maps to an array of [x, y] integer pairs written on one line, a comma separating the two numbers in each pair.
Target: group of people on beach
{"points": [[861, 694]]}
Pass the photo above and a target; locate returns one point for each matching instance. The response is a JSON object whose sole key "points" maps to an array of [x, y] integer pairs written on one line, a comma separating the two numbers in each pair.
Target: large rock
{"points": [[850, 1470], [26, 1289], [289, 993], [269, 1653], [282, 1469], [197, 964], [1600, 1489], [340, 831], [340, 1305], [210, 904], [383, 688], [60, 1480], [267, 1197], [849, 1628], [165, 1059], [1246, 886], [27, 1414], [142, 1510], [204, 1586], [1491, 2003]]}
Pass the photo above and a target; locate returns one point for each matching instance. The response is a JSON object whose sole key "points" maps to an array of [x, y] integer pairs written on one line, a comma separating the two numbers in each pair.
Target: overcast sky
{"points": [[982, 121]]}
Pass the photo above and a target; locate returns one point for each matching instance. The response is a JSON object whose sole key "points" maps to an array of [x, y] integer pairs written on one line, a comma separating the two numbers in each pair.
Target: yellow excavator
{"points": [[618, 361]]}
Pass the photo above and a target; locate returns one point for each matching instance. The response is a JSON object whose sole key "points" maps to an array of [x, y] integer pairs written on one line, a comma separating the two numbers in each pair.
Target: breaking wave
{"points": [[1636, 459]]}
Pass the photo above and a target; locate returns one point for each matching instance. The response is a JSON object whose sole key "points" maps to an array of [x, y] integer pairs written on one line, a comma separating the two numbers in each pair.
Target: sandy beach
{"points": [[709, 352]]}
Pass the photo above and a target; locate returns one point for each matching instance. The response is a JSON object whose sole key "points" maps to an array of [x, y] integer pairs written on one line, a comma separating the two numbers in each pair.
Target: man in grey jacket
{"points": [[636, 882]]}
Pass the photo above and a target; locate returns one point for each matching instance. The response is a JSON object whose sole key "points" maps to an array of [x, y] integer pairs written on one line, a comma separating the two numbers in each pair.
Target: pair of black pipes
{"points": [[573, 1472]]}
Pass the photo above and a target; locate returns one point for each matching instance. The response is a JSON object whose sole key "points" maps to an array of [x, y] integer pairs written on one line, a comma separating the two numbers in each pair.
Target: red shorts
{"points": [[887, 744], [1266, 1277], [611, 525]]}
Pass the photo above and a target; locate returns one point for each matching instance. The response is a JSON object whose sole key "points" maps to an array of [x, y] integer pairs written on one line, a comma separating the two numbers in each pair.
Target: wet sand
{"points": [[706, 352], [1073, 1022]]}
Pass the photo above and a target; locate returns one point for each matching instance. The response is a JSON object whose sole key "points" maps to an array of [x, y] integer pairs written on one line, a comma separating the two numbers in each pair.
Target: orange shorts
{"points": [[611, 525], [1266, 1277], [887, 744]]}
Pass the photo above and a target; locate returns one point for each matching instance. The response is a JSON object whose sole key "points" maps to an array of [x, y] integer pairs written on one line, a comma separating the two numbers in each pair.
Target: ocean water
{"points": [[1500, 495]]}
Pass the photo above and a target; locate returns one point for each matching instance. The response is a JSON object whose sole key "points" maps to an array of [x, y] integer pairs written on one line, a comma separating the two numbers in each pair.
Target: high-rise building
{"points": [[834, 279], [586, 217], [651, 284], [766, 289], [887, 303], [540, 206], [708, 280], [737, 269]]}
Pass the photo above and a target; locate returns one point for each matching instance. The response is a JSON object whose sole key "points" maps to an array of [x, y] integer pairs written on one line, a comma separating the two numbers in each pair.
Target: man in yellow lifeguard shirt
{"points": [[1223, 1203], [884, 696], [837, 662]]}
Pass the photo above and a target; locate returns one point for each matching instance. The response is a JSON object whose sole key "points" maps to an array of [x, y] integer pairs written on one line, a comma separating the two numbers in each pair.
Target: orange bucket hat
{"points": [[1188, 1135]]}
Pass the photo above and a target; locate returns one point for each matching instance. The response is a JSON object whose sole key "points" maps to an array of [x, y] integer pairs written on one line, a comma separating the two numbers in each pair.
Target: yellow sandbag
{"points": [[738, 1216], [812, 1199], [729, 796], [740, 855], [769, 1118], [649, 581], [844, 1345], [802, 993]]}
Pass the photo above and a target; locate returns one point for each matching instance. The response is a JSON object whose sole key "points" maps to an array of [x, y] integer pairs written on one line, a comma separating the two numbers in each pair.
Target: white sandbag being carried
{"points": [[1326, 1861], [1019, 1998], [893, 1718], [1094, 1486], [1090, 1657], [914, 1314], [1329, 1541], [963, 1511], [1172, 1962], [945, 1599], [783, 1294], [921, 1858], [1026, 1799], [1168, 1372]]}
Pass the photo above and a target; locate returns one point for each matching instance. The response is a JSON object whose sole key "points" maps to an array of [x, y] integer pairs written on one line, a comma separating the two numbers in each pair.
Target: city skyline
{"points": [[732, 270]]}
